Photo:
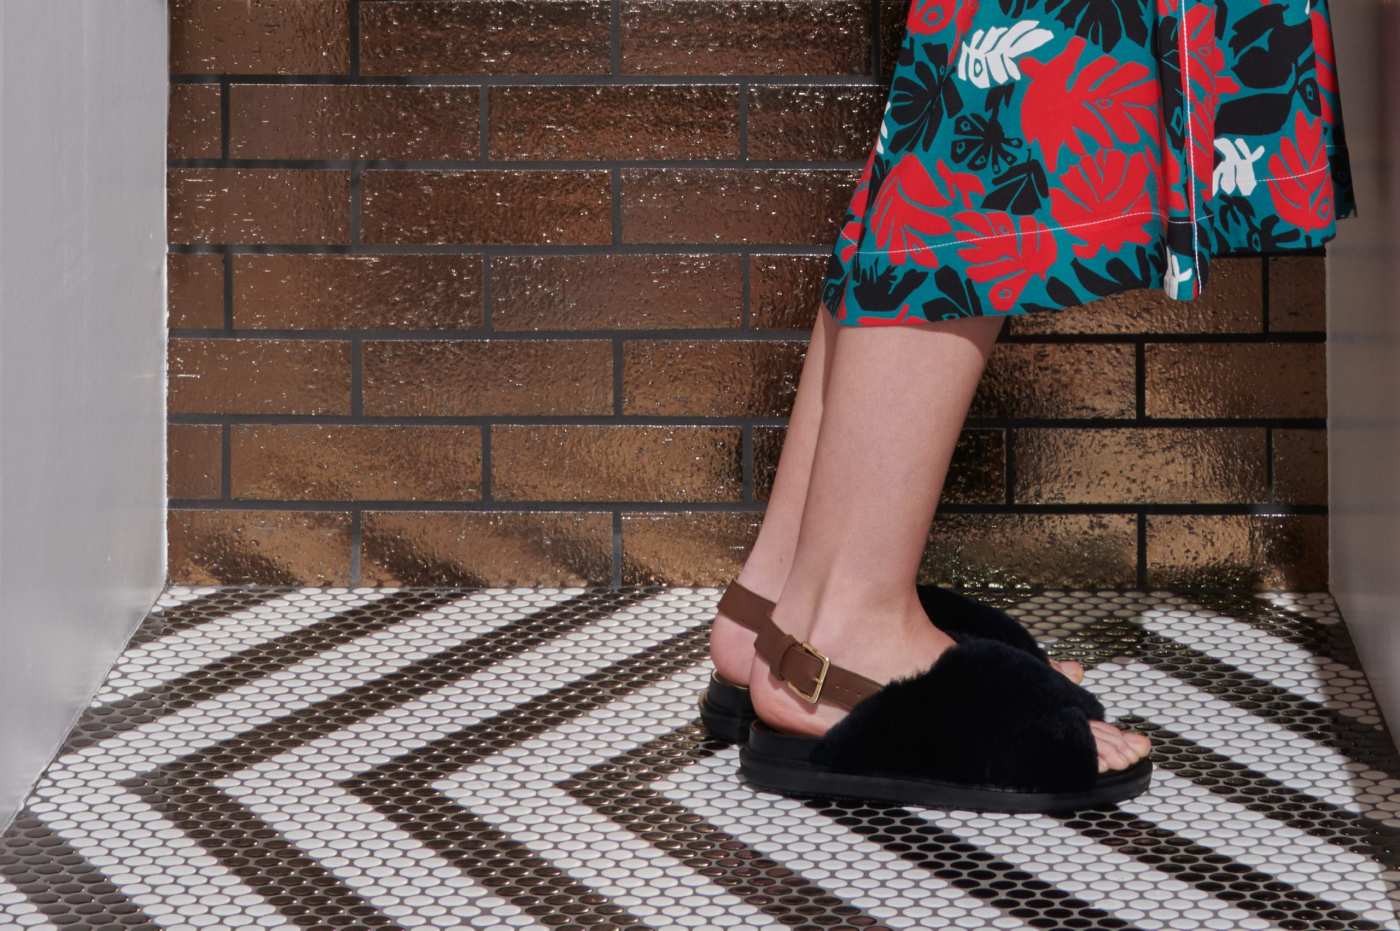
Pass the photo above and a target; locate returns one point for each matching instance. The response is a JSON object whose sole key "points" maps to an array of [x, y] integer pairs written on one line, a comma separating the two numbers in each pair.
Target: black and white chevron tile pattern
{"points": [[345, 759]]}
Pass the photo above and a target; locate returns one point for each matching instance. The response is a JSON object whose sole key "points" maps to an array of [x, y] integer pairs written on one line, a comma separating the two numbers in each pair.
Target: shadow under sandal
{"points": [[726, 709], [986, 728]]}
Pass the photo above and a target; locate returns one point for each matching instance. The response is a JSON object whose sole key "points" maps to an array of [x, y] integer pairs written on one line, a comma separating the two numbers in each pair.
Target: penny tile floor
{"points": [[531, 758]]}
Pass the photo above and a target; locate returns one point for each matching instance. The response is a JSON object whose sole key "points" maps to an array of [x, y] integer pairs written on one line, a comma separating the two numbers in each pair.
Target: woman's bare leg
{"points": [[896, 400]]}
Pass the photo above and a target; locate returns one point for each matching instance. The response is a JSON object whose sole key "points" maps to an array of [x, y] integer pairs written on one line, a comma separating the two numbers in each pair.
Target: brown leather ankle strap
{"points": [[745, 606], [805, 670]]}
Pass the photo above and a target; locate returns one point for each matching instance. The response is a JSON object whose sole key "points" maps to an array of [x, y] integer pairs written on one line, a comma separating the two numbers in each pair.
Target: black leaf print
{"points": [[1017, 8], [1117, 275], [1021, 189], [918, 102], [1104, 22], [1060, 293], [960, 297], [1254, 115], [980, 142], [999, 97], [887, 289], [1267, 49]]}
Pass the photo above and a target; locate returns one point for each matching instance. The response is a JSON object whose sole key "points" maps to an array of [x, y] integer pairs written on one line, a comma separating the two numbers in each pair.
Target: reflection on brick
{"points": [[484, 37], [602, 122], [1249, 551], [1236, 380], [579, 292], [318, 121], [195, 291], [324, 292], [1140, 465], [615, 463], [193, 460], [1057, 380], [1015, 550], [1233, 302], [493, 548], [259, 36], [259, 205], [1298, 293], [458, 378], [249, 376], [715, 378], [1300, 466], [226, 547], [194, 128], [806, 37], [315, 462], [815, 123], [733, 205], [688, 548], [785, 290], [487, 207]]}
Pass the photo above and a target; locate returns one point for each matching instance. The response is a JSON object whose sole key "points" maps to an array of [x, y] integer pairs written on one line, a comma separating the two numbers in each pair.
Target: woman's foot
{"points": [[908, 645]]}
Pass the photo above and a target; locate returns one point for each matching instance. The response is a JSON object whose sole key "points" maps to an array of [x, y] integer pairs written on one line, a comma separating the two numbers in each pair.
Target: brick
{"points": [[601, 122], [1300, 466], [814, 123], [568, 292], [254, 376], [710, 378], [259, 547], [485, 37], [194, 454], [1061, 380], [486, 548], [1236, 380], [460, 378], [1298, 293], [195, 291], [1232, 303], [259, 205], [1031, 550], [733, 205], [325, 292], [1237, 551], [976, 475], [259, 36], [318, 462], [714, 37], [686, 548], [1140, 465], [785, 290], [310, 121], [488, 207], [615, 463], [195, 127]]}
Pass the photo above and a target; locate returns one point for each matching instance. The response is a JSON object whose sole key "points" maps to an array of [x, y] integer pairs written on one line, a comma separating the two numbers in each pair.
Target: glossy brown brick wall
{"points": [[508, 292]]}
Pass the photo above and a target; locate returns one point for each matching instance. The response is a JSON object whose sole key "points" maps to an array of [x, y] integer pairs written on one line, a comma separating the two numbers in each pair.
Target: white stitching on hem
{"points": [[1189, 169], [1056, 229]]}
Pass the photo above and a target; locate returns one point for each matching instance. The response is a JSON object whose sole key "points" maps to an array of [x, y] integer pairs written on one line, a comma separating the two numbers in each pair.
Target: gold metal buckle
{"points": [[812, 697]]}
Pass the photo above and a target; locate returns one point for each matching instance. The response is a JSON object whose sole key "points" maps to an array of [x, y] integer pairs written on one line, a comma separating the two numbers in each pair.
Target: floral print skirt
{"points": [[1038, 154]]}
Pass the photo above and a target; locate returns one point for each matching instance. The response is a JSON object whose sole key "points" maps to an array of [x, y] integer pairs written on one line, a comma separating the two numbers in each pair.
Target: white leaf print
{"points": [[1176, 276], [1236, 169], [989, 56]]}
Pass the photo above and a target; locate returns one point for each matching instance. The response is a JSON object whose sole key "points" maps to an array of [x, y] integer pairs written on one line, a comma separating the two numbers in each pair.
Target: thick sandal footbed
{"points": [[986, 727], [726, 709]]}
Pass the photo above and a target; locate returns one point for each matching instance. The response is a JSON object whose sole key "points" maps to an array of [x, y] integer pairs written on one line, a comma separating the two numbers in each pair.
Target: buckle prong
{"points": [[811, 697]]}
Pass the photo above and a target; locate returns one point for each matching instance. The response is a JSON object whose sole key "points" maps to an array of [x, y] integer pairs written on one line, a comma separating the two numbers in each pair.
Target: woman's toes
{"points": [[1072, 670], [1113, 745]]}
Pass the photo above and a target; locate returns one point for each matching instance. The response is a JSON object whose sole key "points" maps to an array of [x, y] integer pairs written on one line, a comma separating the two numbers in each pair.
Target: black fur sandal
{"points": [[986, 728], [726, 710]]}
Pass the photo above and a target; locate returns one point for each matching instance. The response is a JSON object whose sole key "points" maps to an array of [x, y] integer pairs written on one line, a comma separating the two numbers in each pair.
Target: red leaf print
{"points": [[1301, 186], [1005, 249], [1109, 101], [1105, 201], [927, 17], [850, 232], [909, 214], [1202, 64]]}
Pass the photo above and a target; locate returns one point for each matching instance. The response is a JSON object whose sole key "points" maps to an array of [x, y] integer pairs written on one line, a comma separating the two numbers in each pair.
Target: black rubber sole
{"points": [[726, 711], [778, 762]]}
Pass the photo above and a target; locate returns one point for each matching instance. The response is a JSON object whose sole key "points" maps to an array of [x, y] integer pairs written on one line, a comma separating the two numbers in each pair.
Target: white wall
{"points": [[1363, 349], [82, 232]]}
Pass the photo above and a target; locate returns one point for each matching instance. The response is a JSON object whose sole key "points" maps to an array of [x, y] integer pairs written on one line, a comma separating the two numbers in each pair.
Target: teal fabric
{"points": [[1036, 155]]}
